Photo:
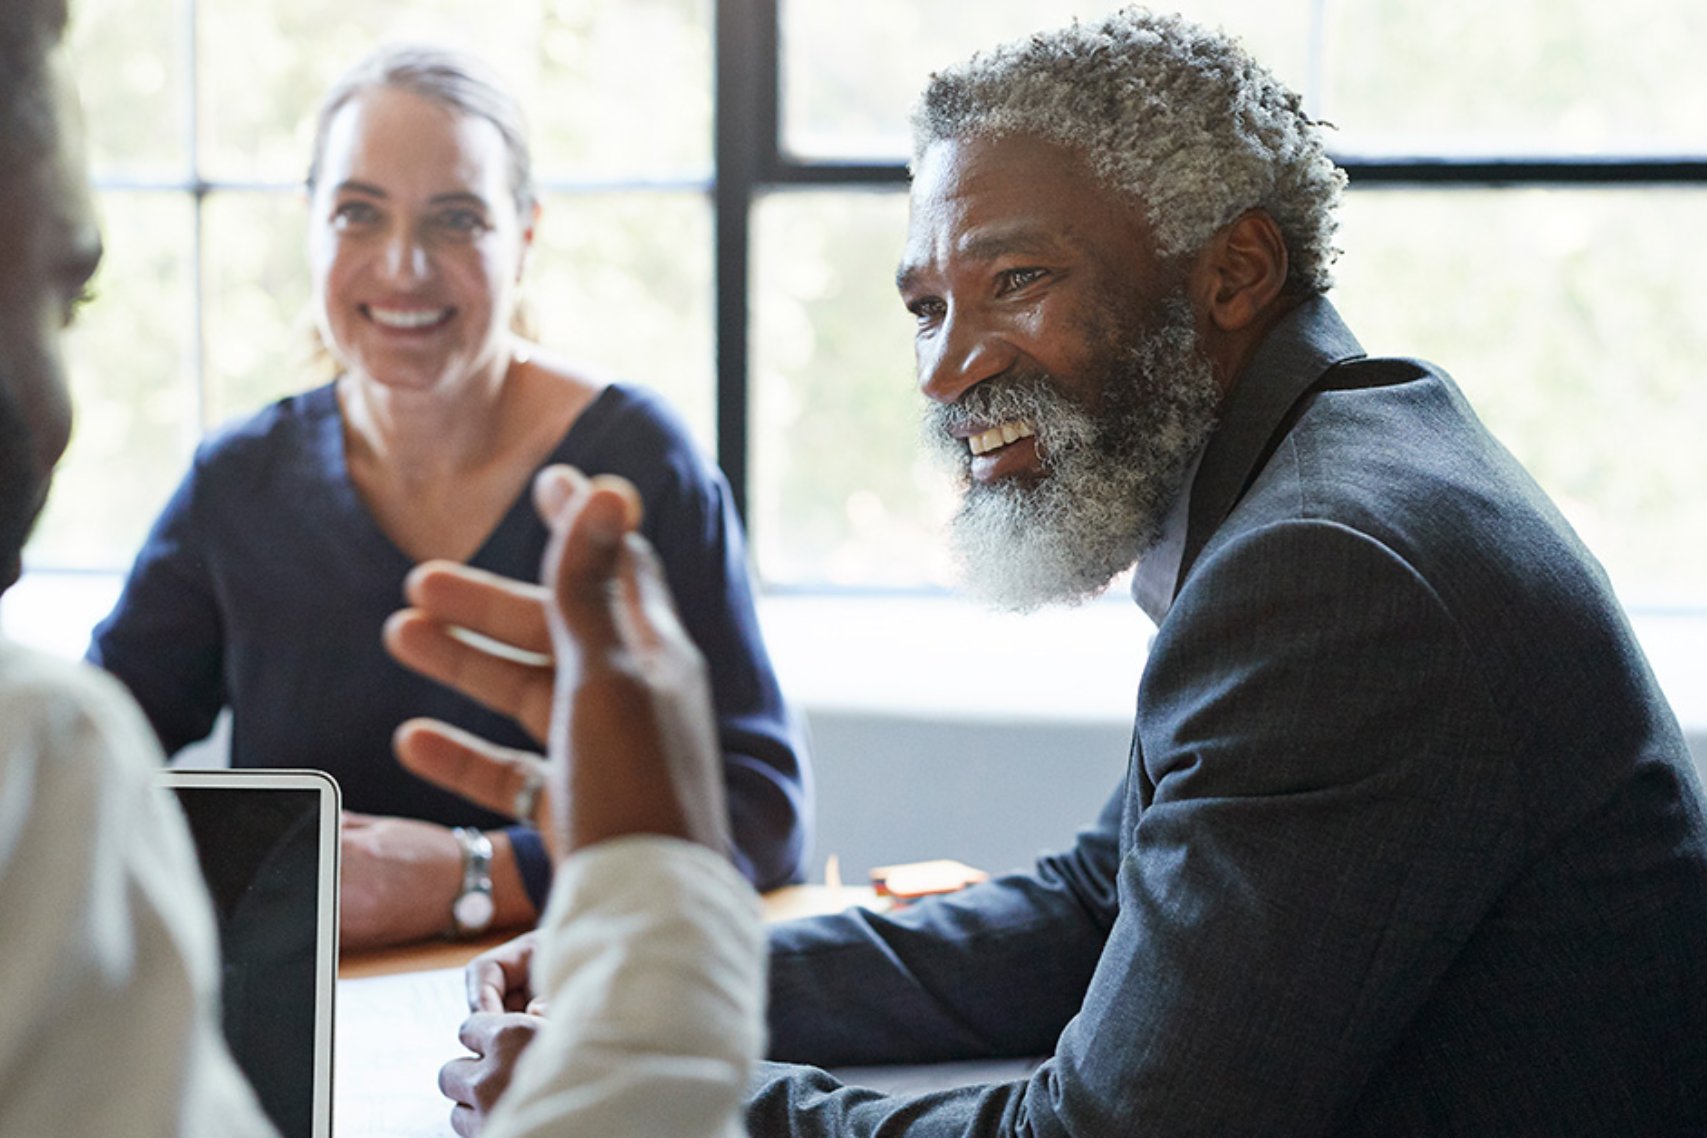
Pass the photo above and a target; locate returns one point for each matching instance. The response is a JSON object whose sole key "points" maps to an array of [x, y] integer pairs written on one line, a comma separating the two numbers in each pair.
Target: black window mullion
{"points": [[745, 116]]}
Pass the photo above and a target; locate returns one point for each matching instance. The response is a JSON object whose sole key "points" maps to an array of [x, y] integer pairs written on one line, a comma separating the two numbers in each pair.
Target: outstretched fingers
{"points": [[513, 685], [589, 519], [505, 610], [497, 778]]}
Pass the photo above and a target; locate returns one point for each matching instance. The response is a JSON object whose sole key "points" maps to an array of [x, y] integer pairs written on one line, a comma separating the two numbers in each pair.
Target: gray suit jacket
{"points": [[1409, 843]]}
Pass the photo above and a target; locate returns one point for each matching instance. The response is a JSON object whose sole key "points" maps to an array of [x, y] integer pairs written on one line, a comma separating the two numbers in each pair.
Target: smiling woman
{"points": [[266, 581]]}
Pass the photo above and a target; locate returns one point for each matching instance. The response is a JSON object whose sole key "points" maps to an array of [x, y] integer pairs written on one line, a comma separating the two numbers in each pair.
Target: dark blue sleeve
{"points": [[690, 520], [704, 556], [533, 862], [164, 638]]}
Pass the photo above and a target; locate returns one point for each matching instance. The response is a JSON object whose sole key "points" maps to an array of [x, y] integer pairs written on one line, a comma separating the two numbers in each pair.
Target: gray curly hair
{"points": [[1180, 117]]}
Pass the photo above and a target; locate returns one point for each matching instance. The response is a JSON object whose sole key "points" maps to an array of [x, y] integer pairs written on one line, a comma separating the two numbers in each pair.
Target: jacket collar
{"points": [[1291, 359]]}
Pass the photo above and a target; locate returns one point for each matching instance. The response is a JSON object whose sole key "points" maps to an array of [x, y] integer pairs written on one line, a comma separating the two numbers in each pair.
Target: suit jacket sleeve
{"points": [[993, 971], [1310, 721]]}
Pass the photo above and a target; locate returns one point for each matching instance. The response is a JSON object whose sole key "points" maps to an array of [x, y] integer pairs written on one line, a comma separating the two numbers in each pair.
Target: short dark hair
{"points": [[29, 30]]}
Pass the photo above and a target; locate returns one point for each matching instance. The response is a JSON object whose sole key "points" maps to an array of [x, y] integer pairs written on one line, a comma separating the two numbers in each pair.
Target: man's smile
{"points": [[1000, 436]]}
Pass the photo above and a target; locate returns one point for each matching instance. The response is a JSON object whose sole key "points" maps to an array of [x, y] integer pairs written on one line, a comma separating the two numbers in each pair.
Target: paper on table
{"points": [[393, 1035]]}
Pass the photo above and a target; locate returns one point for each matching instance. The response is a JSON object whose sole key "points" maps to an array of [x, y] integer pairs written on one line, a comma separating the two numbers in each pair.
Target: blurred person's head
{"points": [[1105, 220], [422, 210], [49, 247]]}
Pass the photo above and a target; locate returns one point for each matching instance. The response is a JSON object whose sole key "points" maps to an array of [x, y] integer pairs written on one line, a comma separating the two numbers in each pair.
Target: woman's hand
{"points": [[397, 880]]}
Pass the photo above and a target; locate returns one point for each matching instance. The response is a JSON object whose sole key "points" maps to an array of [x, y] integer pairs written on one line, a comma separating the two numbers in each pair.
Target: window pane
{"points": [[842, 492], [622, 282], [1524, 75], [1572, 319], [131, 383], [851, 71], [611, 86], [130, 76], [256, 326], [624, 87]]}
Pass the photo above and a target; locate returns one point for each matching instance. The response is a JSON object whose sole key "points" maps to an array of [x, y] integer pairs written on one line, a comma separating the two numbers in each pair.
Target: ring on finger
{"points": [[527, 795]]}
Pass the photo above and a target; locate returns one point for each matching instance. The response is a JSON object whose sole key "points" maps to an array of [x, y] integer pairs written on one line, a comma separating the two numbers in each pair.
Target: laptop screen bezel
{"points": [[326, 908]]}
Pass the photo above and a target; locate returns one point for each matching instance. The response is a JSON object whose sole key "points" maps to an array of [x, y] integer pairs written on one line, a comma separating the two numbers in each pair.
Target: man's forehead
{"points": [[986, 196]]}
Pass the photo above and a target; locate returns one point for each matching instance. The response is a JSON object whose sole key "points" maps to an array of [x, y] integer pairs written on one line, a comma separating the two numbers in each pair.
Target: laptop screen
{"points": [[268, 846]]}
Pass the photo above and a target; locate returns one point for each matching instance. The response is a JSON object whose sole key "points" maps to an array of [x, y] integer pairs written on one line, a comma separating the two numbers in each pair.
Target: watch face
{"points": [[473, 911]]}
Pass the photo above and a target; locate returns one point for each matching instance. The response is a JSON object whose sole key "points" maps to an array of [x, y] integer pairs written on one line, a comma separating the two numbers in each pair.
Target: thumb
{"points": [[588, 520]]}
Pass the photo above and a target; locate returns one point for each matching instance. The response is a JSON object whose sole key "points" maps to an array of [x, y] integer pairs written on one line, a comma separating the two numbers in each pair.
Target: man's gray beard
{"points": [[1111, 474]]}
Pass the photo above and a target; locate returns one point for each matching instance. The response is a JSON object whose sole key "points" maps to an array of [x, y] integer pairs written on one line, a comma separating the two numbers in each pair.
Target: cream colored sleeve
{"points": [[108, 952], [652, 956]]}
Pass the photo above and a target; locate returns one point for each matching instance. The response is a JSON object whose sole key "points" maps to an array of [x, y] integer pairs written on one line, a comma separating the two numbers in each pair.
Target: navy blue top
{"points": [[265, 583]]}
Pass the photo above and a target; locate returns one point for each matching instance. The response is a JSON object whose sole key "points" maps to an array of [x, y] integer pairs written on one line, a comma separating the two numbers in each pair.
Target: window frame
{"points": [[749, 162], [752, 162]]}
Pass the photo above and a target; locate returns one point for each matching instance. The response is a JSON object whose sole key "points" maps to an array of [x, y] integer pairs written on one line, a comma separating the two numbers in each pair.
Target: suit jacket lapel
{"points": [[1306, 343]]}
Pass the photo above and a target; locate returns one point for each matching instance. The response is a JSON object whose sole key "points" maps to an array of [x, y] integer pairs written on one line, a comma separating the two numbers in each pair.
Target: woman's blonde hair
{"points": [[458, 82]]}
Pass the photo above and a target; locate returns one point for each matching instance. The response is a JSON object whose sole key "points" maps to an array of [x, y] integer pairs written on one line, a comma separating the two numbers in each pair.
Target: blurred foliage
{"points": [[841, 490], [1565, 76], [1571, 320], [621, 282], [612, 87], [131, 357], [1568, 316], [256, 325], [851, 71], [133, 74]]}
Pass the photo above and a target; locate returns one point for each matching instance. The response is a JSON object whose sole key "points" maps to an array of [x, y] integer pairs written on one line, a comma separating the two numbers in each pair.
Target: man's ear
{"points": [[1240, 272]]}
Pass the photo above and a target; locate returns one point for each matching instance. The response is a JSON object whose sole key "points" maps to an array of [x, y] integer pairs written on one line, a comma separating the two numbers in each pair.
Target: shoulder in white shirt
{"points": [[108, 953], [652, 960]]}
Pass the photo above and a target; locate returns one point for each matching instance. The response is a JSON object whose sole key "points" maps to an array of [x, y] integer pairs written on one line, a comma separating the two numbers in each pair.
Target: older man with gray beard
{"points": [[1112, 473], [1409, 842]]}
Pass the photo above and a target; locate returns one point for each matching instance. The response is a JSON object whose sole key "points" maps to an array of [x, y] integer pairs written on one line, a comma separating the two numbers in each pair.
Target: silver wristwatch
{"points": [[471, 912]]}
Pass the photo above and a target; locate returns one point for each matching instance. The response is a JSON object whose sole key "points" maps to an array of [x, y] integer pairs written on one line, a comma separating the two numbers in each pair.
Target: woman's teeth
{"points": [[408, 317]]}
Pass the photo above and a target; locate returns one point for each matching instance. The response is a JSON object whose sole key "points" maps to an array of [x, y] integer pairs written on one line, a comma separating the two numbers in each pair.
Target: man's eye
{"points": [[926, 311], [1019, 278]]}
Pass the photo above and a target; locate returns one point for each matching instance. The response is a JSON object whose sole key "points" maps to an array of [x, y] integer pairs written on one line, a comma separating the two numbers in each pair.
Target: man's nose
{"points": [[963, 354]]}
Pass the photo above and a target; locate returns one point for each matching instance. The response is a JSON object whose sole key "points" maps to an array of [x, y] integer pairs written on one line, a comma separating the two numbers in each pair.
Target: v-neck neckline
{"points": [[515, 522]]}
